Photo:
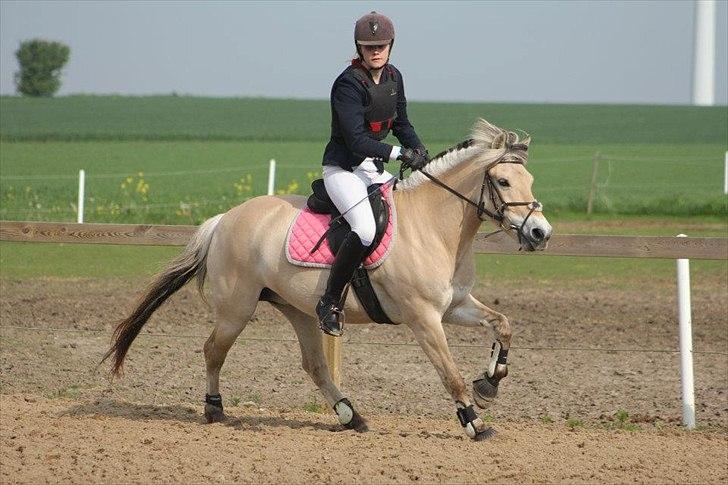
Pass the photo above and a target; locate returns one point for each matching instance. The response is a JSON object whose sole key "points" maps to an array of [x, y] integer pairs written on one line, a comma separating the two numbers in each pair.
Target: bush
{"points": [[40, 62]]}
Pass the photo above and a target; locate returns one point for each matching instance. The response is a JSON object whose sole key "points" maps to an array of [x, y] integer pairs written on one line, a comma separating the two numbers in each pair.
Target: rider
{"points": [[367, 100]]}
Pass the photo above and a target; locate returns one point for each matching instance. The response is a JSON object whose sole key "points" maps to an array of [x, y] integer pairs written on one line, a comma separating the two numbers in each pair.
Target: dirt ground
{"points": [[575, 363]]}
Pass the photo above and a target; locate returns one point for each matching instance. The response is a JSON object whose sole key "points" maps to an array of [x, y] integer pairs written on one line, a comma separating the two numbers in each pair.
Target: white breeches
{"points": [[348, 192]]}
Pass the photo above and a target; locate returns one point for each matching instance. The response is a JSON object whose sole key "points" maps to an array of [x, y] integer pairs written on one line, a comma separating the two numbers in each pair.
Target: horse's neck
{"points": [[438, 219]]}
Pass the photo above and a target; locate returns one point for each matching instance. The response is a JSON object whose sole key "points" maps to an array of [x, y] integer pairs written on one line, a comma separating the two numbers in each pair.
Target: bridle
{"points": [[496, 198]]}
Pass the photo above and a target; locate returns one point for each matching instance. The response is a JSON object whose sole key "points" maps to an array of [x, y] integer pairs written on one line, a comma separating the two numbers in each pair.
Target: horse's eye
{"points": [[503, 183]]}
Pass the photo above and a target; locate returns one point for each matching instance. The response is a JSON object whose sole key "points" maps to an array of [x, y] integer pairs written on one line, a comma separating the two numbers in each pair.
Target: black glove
{"points": [[413, 159]]}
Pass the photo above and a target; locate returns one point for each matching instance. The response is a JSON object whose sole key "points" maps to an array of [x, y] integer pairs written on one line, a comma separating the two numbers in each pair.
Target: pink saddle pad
{"points": [[308, 227]]}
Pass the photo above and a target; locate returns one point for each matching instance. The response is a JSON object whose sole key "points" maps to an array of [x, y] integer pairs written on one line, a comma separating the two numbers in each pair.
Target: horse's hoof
{"points": [[484, 390], [348, 417], [214, 414], [487, 433], [357, 423]]}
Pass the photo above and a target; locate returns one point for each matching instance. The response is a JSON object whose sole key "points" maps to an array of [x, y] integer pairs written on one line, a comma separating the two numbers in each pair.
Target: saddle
{"points": [[317, 233], [320, 203]]}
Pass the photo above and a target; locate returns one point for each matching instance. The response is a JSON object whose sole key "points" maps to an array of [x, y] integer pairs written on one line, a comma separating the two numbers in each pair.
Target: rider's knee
{"points": [[366, 233]]}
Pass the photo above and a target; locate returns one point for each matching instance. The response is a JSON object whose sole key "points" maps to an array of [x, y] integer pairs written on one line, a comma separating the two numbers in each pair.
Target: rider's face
{"points": [[375, 56]]}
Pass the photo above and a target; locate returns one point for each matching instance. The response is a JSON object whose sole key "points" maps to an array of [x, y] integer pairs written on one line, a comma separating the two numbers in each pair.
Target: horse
{"points": [[425, 281]]}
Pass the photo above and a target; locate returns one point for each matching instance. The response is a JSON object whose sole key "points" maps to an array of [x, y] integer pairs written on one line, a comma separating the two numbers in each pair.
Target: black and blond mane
{"points": [[459, 146], [488, 140]]}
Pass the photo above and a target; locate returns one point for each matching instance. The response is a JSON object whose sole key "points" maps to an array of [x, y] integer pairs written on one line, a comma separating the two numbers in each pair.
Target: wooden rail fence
{"points": [[560, 244]]}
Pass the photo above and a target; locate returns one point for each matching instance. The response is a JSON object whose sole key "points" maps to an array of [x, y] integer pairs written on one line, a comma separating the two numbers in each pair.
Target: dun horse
{"points": [[425, 281]]}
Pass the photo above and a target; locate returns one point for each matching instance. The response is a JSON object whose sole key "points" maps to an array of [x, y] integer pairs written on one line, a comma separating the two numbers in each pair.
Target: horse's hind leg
{"points": [[233, 314], [314, 363]]}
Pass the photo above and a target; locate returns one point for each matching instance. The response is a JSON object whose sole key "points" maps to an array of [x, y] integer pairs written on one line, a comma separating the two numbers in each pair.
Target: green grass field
{"points": [[258, 119], [181, 159], [187, 181]]}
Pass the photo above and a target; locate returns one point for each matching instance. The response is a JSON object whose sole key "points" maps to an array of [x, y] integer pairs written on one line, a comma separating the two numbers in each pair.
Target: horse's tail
{"points": [[191, 263]]}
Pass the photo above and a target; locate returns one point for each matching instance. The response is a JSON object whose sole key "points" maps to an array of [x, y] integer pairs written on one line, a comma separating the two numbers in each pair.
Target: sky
{"points": [[542, 51]]}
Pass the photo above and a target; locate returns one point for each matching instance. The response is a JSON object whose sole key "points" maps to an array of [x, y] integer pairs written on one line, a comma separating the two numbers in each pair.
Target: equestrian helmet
{"points": [[373, 29]]}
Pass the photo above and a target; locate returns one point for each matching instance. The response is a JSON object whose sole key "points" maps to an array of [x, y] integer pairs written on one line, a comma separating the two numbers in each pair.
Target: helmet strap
{"points": [[391, 46]]}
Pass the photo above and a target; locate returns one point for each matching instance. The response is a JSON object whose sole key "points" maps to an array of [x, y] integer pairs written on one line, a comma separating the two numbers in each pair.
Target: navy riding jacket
{"points": [[351, 139]]}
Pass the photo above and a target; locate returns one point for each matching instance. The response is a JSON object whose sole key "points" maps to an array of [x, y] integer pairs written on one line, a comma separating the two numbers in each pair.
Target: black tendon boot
{"points": [[348, 258]]}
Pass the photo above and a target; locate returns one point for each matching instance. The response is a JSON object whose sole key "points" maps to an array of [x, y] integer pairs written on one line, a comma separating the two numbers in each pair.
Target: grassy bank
{"points": [[23, 261]]}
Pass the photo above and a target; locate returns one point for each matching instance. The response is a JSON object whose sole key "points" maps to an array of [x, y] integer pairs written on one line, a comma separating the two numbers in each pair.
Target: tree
{"points": [[40, 62]]}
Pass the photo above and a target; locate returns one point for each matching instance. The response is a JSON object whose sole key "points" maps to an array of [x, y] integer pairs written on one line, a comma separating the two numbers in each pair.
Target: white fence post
{"points": [[725, 175], [81, 191], [686, 341], [704, 55], [272, 177]]}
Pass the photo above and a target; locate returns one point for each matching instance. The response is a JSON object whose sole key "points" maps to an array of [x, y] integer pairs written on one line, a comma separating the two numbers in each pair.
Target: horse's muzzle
{"points": [[535, 236]]}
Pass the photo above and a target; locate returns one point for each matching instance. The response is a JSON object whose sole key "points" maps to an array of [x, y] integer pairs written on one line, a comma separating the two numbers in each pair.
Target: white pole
{"points": [[704, 55], [81, 191], [272, 177], [686, 341], [725, 175]]}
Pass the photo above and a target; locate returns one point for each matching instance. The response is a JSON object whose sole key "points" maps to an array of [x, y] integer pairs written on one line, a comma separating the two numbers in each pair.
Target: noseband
{"points": [[500, 206]]}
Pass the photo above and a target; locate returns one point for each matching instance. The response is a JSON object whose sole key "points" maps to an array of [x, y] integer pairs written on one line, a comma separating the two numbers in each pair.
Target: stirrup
{"points": [[332, 321]]}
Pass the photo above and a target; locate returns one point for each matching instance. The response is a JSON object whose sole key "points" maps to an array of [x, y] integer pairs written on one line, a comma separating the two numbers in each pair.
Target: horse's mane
{"points": [[486, 137]]}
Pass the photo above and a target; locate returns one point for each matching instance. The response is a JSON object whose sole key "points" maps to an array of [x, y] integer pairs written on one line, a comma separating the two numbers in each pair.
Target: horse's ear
{"points": [[499, 141], [526, 141]]}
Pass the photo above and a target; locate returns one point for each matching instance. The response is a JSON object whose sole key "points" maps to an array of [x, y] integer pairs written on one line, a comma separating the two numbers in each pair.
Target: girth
{"points": [[320, 202]]}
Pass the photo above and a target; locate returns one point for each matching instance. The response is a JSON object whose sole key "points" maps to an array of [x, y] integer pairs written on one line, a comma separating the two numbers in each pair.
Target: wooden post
{"points": [[593, 187], [332, 351]]}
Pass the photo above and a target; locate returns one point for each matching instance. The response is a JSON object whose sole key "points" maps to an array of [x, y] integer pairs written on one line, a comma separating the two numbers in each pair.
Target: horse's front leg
{"points": [[428, 331], [470, 312]]}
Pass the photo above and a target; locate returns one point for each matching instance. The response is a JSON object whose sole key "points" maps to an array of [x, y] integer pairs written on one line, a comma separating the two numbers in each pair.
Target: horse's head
{"points": [[488, 173], [505, 195]]}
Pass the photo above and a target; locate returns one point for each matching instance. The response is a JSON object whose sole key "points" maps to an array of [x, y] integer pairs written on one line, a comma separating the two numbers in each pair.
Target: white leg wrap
{"points": [[494, 351], [470, 430], [497, 367], [469, 420]]}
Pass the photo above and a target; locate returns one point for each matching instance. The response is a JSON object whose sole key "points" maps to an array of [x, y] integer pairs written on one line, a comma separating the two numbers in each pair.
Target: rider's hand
{"points": [[423, 151], [412, 159]]}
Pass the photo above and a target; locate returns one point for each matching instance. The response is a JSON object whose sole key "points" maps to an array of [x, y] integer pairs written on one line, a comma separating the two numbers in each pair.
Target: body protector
{"points": [[382, 108]]}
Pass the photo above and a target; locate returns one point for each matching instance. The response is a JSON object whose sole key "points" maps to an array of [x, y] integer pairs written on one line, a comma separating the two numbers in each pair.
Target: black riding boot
{"points": [[348, 258]]}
